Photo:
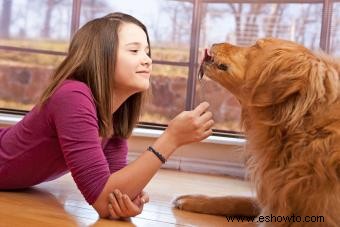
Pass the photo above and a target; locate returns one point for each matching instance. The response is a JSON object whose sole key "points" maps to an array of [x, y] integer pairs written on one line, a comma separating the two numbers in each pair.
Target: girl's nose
{"points": [[147, 60]]}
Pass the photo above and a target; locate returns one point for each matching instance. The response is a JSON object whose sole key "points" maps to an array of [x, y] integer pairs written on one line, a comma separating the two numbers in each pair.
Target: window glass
{"points": [[166, 97], [36, 24], [243, 24], [168, 23], [23, 77], [225, 107], [335, 31]]}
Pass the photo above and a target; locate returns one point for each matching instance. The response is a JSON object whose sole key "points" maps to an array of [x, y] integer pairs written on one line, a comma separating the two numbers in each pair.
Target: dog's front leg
{"points": [[224, 206]]}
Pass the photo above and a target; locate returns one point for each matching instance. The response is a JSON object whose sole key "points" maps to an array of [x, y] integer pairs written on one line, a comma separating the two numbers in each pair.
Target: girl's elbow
{"points": [[101, 209]]}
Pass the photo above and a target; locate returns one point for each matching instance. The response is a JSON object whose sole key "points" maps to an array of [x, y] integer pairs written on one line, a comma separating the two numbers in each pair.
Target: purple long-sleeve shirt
{"points": [[59, 137]]}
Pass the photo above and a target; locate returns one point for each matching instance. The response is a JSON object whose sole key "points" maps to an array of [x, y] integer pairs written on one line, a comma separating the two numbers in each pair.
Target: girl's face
{"points": [[133, 65]]}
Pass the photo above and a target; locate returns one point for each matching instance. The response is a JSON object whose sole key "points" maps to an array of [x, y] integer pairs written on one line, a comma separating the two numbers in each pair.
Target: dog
{"points": [[290, 104]]}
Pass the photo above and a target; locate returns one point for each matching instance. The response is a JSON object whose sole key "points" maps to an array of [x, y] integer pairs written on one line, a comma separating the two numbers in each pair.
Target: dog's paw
{"points": [[190, 202]]}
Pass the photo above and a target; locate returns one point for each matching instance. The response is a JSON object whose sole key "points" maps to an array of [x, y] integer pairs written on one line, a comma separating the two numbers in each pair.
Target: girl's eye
{"points": [[134, 51]]}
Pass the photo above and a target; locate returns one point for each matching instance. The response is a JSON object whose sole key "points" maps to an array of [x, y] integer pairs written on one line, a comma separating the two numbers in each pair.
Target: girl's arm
{"points": [[187, 127], [115, 150], [72, 115]]}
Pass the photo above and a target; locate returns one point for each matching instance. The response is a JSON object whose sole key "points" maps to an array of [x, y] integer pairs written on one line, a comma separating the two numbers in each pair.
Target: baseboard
{"points": [[200, 166]]}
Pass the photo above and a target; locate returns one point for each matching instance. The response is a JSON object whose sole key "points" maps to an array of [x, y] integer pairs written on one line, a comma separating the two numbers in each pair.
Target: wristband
{"points": [[159, 155]]}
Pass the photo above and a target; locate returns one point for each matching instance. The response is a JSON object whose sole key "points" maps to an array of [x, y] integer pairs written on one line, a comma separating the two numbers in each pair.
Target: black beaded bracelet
{"points": [[159, 155]]}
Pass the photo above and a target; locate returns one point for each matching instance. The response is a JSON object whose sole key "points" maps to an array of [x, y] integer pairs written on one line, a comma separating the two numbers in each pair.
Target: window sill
{"points": [[154, 133]]}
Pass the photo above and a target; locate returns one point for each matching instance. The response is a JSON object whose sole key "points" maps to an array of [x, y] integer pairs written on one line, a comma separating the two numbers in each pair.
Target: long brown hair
{"points": [[91, 59]]}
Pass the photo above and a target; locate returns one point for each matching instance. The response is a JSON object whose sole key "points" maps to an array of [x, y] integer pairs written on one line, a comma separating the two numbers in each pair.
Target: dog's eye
{"points": [[222, 67]]}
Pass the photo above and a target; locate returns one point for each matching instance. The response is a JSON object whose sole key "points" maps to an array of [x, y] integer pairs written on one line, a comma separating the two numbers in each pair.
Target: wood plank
{"points": [[59, 203]]}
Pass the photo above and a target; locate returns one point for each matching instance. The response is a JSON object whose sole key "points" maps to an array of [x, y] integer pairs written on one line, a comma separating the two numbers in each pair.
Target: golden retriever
{"points": [[291, 117]]}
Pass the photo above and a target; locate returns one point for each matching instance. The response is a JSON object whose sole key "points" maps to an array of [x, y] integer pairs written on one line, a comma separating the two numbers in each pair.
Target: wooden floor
{"points": [[59, 203]]}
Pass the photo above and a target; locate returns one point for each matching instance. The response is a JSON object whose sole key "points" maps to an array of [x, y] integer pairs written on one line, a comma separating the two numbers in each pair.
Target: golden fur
{"points": [[291, 116]]}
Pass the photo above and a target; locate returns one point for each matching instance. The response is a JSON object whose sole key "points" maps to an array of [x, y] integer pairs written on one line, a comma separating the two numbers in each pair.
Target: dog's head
{"points": [[272, 72]]}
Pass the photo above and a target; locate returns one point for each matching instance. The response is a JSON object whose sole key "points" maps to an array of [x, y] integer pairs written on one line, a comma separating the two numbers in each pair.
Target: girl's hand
{"points": [[190, 126], [121, 206]]}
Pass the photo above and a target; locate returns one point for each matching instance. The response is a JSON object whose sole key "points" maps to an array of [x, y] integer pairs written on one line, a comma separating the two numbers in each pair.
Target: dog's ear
{"points": [[276, 77], [274, 91], [291, 83]]}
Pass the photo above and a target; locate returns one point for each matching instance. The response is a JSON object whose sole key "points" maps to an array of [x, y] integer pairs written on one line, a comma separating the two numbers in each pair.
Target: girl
{"points": [[95, 93]]}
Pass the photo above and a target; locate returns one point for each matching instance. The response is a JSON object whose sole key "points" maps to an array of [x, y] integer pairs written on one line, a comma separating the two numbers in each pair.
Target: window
{"points": [[34, 37]]}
